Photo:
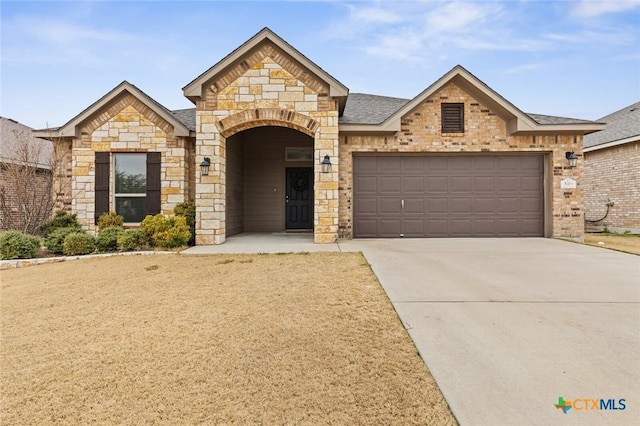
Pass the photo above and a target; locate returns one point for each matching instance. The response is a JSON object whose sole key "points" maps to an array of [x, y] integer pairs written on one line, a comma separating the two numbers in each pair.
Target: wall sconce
{"points": [[572, 158], [326, 164], [204, 166]]}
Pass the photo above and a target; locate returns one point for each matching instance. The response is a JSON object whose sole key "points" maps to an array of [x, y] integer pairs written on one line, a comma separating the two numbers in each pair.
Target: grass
{"points": [[177, 339], [628, 243]]}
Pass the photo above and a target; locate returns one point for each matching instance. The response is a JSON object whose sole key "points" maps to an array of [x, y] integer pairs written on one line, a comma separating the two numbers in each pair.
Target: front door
{"points": [[299, 198]]}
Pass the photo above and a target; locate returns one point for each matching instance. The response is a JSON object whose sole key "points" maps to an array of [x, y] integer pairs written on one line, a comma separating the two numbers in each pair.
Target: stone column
{"points": [[325, 229]]}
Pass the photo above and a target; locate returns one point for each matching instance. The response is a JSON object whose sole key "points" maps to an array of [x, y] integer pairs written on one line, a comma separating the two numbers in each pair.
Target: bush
{"points": [[17, 245], [188, 211], [55, 240], [61, 220], [108, 238], [78, 243], [110, 219], [132, 239], [166, 232]]}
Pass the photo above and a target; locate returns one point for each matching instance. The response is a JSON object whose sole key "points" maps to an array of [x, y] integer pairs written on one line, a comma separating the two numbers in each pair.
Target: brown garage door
{"points": [[448, 196]]}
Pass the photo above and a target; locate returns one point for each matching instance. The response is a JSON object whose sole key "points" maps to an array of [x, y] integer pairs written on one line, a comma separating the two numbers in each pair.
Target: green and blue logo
{"points": [[590, 404]]}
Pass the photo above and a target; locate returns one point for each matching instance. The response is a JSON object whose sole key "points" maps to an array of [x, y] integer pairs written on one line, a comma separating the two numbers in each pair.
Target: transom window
{"points": [[130, 192], [452, 118]]}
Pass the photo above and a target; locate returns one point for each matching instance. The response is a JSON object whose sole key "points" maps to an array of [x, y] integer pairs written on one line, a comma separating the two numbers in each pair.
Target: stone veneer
{"points": [[268, 88], [484, 132], [127, 125]]}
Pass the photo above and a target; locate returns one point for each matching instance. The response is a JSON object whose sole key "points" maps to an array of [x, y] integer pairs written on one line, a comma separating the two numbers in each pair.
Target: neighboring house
{"points": [[290, 148], [612, 172], [25, 177]]}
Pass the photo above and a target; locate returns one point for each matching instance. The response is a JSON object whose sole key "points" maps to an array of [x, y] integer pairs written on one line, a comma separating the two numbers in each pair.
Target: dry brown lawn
{"points": [[224, 339], [620, 242]]}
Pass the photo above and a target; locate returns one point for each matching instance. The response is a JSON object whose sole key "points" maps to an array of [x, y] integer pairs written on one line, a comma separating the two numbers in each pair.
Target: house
{"points": [[612, 172], [275, 143], [25, 177]]}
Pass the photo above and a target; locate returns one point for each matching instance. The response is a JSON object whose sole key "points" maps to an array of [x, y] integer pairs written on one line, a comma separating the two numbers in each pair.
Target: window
{"points": [[452, 118], [130, 186], [132, 190]]}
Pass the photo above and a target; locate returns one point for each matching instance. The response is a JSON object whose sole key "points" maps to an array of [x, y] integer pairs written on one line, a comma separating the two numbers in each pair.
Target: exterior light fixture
{"points": [[326, 164], [204, 166], [572, 158]]}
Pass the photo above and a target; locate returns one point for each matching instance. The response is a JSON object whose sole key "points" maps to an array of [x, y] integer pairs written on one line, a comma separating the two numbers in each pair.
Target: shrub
{"points": [[61, 220], [132, 239], [55, 240], [17, 245], [188, 211], [108, 238], [166, 232], [107, 220], [152, 225], [78, 243]]}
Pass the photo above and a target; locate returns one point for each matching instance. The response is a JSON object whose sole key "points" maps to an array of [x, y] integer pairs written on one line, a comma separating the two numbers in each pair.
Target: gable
{"points": [[114, 102], [265, 44], [517, 122]]}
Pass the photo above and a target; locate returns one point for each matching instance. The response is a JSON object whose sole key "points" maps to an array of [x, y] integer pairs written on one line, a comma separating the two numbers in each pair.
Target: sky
{"points": [[577, 59]]}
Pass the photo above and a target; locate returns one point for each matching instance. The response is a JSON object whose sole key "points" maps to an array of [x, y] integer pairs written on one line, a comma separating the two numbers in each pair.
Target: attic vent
{"points": [[452, 118]]}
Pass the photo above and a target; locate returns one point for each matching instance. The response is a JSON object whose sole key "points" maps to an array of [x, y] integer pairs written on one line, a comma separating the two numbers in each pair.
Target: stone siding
{"points": [[614, 174], [484, 131], [127, 125], [267, 88]]}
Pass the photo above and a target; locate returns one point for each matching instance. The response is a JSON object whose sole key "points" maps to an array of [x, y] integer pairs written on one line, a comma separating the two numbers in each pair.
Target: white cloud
{"points": [[594, 8], [374, 15], [459, 17]]}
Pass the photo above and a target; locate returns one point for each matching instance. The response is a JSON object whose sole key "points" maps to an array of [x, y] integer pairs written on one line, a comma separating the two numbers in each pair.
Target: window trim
{"points": [[114, 196], [447, 127]]}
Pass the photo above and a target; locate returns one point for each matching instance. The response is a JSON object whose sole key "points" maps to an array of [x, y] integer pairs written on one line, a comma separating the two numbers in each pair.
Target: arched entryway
{"points": [[269, 180]]}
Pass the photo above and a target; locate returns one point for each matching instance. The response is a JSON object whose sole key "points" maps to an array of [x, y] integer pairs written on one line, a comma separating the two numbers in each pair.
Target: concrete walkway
{"points": [[277, 242], [507, 326]]}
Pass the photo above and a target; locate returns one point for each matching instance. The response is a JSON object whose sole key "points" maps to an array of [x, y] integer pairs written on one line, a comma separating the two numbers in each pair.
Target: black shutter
{"points": [[153, 183], [102, 184], [453, 118]]}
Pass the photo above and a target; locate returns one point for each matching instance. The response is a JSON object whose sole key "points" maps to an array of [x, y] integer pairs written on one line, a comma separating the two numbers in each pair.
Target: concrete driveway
{"points": [[507, 326]]}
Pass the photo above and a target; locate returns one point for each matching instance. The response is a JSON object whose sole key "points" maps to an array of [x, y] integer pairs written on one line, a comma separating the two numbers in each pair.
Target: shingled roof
{"points": [[622, 126], [362, 108]]}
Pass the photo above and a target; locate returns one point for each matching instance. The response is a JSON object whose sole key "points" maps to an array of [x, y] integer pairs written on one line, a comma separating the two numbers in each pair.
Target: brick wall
{"points": [[484, 132], [17, 193], [613, 173]]}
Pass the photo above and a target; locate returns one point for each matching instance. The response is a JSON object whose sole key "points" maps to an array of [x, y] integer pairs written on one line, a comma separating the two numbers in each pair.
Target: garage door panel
{"points": [[508, 205], [389, 205], [484, 184], [389, 184], [449, 196], [508, 183], [365, 184], [437, 183], [437, 205], [484, 227], [363, 206], [531, 227], [460, 227], [413, 206], [437, 227], [460, 205], [530, 205], [484, 205], [389, 227], [531, 183], [413, 227], [413, 184], [460, 184]]}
